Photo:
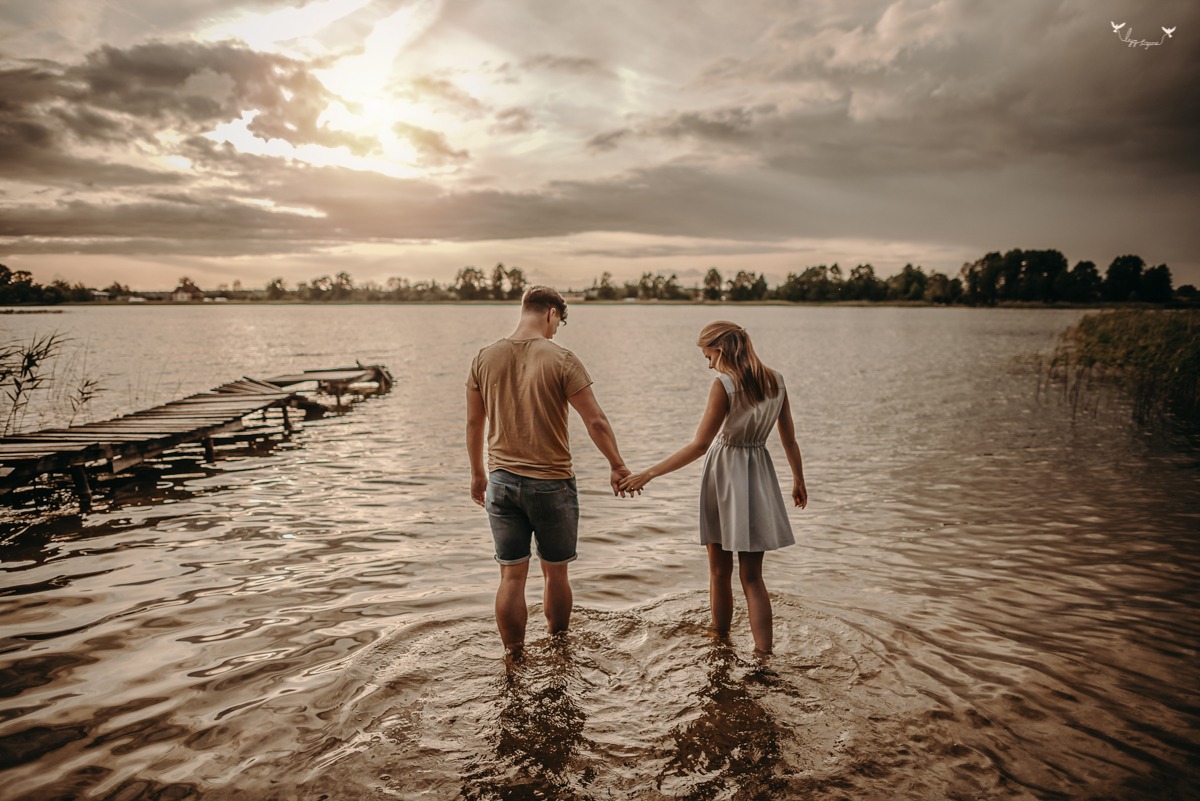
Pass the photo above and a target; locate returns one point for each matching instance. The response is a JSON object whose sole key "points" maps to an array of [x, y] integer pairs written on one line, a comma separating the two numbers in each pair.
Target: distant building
{"points": [[100, 294], [187, 293]]}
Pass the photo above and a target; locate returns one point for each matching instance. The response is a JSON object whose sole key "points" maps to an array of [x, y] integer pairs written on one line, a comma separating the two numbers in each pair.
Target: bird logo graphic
{"points": [[1126, 35]]}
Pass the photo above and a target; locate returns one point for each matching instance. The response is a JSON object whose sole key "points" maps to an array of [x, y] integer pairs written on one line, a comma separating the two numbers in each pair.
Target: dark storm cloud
{"points": [[37, 137], [212, 220], [202, 84]]}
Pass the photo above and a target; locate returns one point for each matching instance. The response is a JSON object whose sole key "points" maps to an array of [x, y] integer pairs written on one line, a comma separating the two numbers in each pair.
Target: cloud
{"points": [[427, 86], [513, 121], [573, 65], [431, 146]]}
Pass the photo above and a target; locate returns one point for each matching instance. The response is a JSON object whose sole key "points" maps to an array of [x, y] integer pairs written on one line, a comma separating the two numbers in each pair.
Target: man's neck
{"points": [[529, 329]]}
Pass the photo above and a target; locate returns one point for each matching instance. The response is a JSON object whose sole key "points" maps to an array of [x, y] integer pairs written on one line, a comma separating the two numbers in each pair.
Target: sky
{"points": [[247, 140]]}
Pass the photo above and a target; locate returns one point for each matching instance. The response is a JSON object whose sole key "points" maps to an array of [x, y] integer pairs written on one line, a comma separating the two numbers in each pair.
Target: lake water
{"points": [[989, 598]]}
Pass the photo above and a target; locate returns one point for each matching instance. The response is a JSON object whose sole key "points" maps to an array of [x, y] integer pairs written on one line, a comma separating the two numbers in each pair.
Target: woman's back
{"points": [[749, 424]]}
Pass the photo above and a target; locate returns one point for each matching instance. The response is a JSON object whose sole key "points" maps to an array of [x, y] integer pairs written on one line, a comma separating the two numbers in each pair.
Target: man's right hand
{"points": [[479, 488], [615, 477]]}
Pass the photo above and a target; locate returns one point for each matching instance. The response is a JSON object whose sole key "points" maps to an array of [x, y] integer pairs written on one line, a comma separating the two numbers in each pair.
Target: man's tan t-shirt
{"points": [[525, 384]]}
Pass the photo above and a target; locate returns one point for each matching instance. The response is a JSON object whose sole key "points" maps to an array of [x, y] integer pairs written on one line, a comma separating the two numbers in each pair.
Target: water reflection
{"points": [[732, 748], [539, 745]]}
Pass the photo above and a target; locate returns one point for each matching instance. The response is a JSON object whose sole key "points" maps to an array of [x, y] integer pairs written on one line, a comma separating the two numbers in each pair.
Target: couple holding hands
{"points": [[518, 393]]}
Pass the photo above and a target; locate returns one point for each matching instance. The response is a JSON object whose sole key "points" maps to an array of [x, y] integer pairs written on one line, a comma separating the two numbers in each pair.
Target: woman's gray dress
{"points": [[741, 505]]}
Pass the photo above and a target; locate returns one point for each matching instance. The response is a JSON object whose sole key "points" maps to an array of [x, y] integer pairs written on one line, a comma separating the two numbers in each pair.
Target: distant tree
{"points": [[646, 287], [470, 283], [1083, 283], [17, 286], [671, 290], [275, 289], [516, 283], [431, 292], [981, 280], [1039, 278], [1124, 278], [1156, 285], [747, 286], [908, 284], [812, 285], [940, 289], [320, 288], [342, 287], [398, 289], [74, 293], [497, 286], [864, 285], [712, 284], [1187, 293], [606, 289]]}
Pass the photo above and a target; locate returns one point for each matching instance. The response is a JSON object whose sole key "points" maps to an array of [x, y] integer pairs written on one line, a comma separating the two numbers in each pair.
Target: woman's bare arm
{"points": [[787, 435], [714, 415]]}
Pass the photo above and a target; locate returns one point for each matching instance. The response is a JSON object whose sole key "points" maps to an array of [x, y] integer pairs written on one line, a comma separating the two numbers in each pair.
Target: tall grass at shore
{"points": [[1153, 354], [48, 369]]}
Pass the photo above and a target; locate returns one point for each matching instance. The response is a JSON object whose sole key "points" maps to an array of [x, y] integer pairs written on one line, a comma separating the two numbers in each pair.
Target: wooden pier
{"points": [[114, 445]]}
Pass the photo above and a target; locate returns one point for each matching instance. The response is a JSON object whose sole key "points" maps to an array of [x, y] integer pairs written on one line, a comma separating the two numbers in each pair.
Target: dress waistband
{"points": [[727, 442]]}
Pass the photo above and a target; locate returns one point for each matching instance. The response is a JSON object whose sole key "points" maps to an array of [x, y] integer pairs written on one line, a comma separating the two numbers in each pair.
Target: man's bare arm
{"points": [[476, 423], [599, 429]]}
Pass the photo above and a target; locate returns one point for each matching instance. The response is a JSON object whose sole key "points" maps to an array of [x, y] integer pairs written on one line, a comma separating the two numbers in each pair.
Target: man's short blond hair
{"points": [[543, 299]]}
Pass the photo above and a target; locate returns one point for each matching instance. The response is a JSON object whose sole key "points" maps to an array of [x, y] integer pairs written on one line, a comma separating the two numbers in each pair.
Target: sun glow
{"points": [[369, 101], [238, 134]]}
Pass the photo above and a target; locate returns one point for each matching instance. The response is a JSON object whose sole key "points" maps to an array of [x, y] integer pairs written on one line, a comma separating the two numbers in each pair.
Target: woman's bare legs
{"points": [[720, 577], [758, 602]]}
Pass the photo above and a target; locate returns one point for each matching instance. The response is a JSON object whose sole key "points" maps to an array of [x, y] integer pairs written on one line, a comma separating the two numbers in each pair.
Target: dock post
{"points": [[82, 487], [210, 453], [287, 421]]}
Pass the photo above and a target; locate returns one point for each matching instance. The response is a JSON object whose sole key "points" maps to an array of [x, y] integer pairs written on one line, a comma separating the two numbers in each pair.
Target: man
{"points": [[521, 387]]}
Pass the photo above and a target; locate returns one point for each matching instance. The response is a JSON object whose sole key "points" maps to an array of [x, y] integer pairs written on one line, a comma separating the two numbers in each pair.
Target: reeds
{"points": [[32, 369], [1153, 354]]}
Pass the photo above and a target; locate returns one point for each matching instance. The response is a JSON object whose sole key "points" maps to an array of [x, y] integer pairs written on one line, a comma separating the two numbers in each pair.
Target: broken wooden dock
{"points": [[114, 445]]}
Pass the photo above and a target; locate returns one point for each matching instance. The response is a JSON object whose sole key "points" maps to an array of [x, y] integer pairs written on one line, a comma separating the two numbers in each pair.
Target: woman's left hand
{"points": [[799, 494], [634, 482]]}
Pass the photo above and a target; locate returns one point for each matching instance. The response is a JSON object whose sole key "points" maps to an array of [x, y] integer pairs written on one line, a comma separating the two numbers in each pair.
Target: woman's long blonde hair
{"points": [[738, 360]]}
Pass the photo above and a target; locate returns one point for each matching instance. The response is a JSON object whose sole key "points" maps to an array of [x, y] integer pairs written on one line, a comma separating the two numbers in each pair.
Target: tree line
{"points": [[1018, 276], [1029, 276]]}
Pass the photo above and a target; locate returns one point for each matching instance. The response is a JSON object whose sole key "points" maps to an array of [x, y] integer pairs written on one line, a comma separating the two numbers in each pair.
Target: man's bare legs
{"points": [[558, 599], [720, 576], [511, 612], [758, 602]]}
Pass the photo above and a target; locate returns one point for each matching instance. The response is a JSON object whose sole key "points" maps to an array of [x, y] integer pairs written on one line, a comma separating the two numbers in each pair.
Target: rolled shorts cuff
{"points": [[520, 561], [560, 562]]}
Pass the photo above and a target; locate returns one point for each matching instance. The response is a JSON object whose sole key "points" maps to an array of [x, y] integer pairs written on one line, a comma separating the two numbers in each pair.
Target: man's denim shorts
{"points": [[519, 508]]}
